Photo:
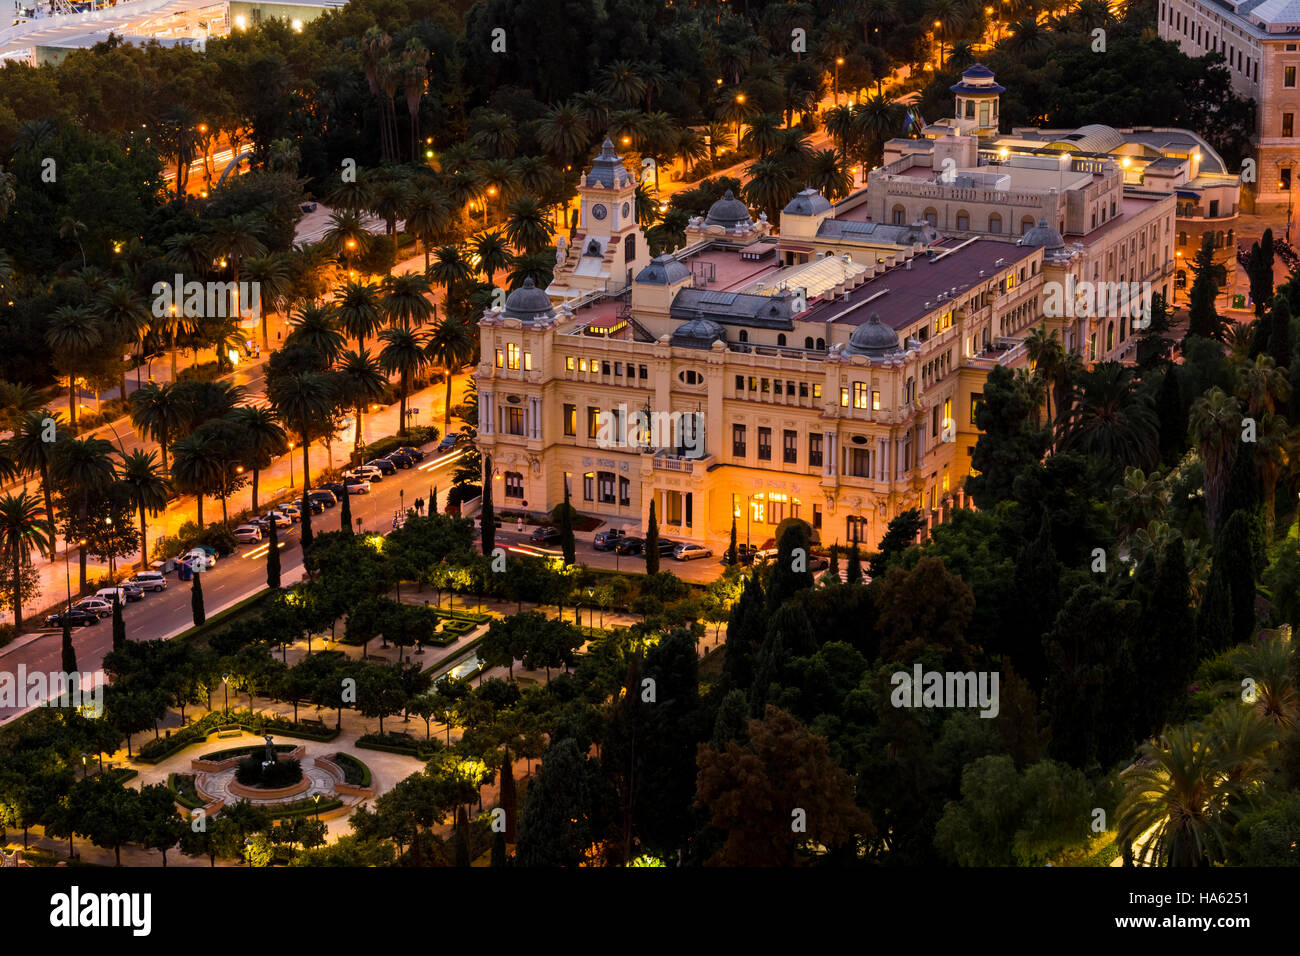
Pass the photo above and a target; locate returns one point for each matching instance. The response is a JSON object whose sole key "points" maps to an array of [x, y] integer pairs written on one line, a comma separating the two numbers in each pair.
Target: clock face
{"points": [[627, 210], [599, 212]]}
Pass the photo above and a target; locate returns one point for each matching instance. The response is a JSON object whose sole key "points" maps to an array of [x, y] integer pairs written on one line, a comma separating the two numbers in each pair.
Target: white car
{"points": [[357, 486], [293, 511], [687, 552], [148, 581], [94, 605], [248, 534], [369, 472], [199, 557], [281, 519]]}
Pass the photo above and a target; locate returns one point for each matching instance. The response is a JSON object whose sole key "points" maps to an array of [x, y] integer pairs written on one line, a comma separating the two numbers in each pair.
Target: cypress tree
{"points": [[785, 581], [69, 652], [119, 625], [854, 572], [1260, 334], [196, 599], [745, 629], [1279, 341], [433, 500], [832, 575], [567, 543], [1203, 318], [1228, 611], [488, 519], [272, 557], [1261, 278], [731, 548], [345, 511], [1266, 255], [499, 857], [1167, 651], [1172, 414], [1038, 587], [652, 543], [461, 840]]}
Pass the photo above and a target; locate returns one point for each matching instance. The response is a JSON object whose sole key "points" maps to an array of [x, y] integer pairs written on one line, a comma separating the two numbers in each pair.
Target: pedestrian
{"points": [[419, 506], [520, 525]]}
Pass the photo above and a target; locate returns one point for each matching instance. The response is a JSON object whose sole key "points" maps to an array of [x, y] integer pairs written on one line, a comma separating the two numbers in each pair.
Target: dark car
{"points": [[607, 540], [325, 496], [76, 618], [818, 563], [629, 544], [448, 443], [545, 534], [667, 547], [412, 452], [401, 459], [385, 466]]}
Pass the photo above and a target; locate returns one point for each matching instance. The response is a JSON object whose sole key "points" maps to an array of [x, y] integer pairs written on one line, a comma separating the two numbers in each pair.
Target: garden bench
{"points": [[313, 723], [229, 730]]}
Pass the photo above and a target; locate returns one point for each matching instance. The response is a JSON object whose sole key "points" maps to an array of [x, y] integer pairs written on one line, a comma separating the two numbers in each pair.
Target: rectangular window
{"points": [[500, 361], [765, 444], [803, 389], [528, 361], [604, 370], [859, 395], [875, 401], [589, 486], [571, 420], [738, 441], [975, 399], [790, 447], [1288, 124], [815, 450], [512, 357], [582, 365], [776, 507], [844, 396], [624, 492], [605, 487], [817, 517], [514, 421], [570, 364], [776, 386], [860, 462], [740, 383], [645, 373], [947, 413], [593, 422], [514, 484], [767, 386], [817, 391]]}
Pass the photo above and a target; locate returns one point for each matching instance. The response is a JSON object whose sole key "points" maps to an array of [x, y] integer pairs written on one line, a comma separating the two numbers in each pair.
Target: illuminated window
{"points": [[859, 395], [582, 365], [944, 322], [569, 363], [589, 486], [571, 419], [593, 422], [514, 421], [875, 401], [844, 396], [512, 356], [817, 391], [500, 361], [528, 361], [776, 507], [1011, 281]]}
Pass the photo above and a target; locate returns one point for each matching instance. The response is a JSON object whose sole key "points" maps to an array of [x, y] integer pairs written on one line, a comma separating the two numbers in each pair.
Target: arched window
{"points": [[932, 217], [1218, 240], [963, 220], [899, 214], [1026, 224], [780, 340], [808, 342], [995, 224], [744, 336], [821, 344]]}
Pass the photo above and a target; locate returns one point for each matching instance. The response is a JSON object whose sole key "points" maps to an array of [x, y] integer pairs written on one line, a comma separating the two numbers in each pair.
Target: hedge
{"points": [[297, 808], [182, 795], [355, 772], [219, 755], [398, 743], [163, 747], [417, 436], [121, 774]]}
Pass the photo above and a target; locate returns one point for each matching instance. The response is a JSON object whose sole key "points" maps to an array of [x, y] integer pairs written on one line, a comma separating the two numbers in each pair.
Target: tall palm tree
{"points": [[718, 136], [235, 239], [303, 400], [763, 134], [528, 228], [83, 469], [827, 174], [451, 346], [263, 439], [1045, 357], [414, 64], [1113, 420], [31, 451], [390, 200], [15, 402], [402, 354], [72, 334], [623, 82], [449, 267], [492, 252], [563, 134], [494, 134], [125, 318], [141, 473], [351, 195], [878, 120], [70, 227], [158, 412], [771, 185], [316, 327], [405, 300], [1215, 424], [691, 148], [360, 310], [593, 109], [429, 216], [200, 466], [539, 267], [347, 236], [1138, 500], [502, 181], [272, 275], [24, 525], [360, 382], [1262, 386]]}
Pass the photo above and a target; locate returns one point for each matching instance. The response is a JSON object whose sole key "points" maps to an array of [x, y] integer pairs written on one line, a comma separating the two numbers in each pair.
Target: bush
{"points": [[255, 750], [281, 773], [182, 786], [354, 771], [302, 808], [417, 436], [203, 372], [399, 743], [220, 538], [459, 494], [7, 633]]}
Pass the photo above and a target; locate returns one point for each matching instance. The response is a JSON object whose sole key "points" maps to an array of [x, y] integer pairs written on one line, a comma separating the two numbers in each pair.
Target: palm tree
{"points": [[623, 82], [403, 353], [69, 226], [7, 192], [359, 309], [1045, 357], [877, 121], [415, 80], [351, 195], [158, 412], [763, 134], [263, 439], [316, 327], [494, 134], [449, 267], [141, 473], [718, 136], [1268, 662], [24, 525], [360, 382], [15, 402], [771, 185], [827, 175], [72, 334], [272, 275], [390, 200], [691, 148], [32, 453], [235, 239], [563, 134], [83, 468], [1027, 38], [1113, 420], [429, 216], [122, 312], [405, 300], [1215, 424], [347, 236], [1261, 386], [492, 252], [305, 400], [502, 180], [451, 346], [592, 108], [539, 267], [528, 228], [1138, 500], [200, 466]]}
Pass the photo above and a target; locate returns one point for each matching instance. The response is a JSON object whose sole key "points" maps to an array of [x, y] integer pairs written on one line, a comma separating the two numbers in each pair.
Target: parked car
{"points": [[629, 544], [412, 452], [606, 540], [76, 618], [385, 466], [293, 512], [689, 552], [248, 534], [199, 556], [358, 486], [765, 555], [744, 554], [448, 442], [94, 605], [401, 459], [281, 519], [370, 471], [818, 563], [544, 534], [125, 593], [667, 547], [148, 581], [324, 496]]}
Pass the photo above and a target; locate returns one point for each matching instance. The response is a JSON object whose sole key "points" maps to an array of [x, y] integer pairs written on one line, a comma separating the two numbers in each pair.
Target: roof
{"points": [[808, 202], [607, 169], [663, 270], [698, 334], [528, 303], [852, 230], [872, 338], [735, 308], [728, 212]]}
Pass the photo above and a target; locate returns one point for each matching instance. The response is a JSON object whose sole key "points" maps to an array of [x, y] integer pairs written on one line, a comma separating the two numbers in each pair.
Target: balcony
{"points": [[666, 461]]}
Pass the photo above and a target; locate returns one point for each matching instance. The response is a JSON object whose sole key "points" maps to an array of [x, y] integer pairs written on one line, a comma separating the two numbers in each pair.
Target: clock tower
{"points": [[608, 246]]}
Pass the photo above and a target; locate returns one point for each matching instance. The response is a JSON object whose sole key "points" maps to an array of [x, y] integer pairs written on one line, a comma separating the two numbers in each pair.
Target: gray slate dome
{"points": [[663, 270], [1042, 235], [873, 339], [698, 334], [808, 202], [528, 303], [728, 212]]}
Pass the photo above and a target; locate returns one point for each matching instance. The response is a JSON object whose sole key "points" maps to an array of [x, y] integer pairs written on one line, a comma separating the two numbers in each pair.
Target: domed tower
{"points": [[873, 339], [978, 95], [528, 304]]}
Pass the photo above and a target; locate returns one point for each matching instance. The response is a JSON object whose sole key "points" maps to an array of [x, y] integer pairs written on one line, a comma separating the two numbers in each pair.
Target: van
{"points": [[149, 581]]}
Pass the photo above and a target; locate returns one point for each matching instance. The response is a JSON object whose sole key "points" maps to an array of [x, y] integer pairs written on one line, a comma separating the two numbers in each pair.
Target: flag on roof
{"points": [[913, 121]]}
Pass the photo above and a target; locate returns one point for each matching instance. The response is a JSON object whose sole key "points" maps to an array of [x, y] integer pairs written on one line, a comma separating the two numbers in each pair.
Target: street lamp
{"points": [[839, 62], [590, 611], [740, 98], [291, 466], [938, 27], [316, 800], [67, 572], [225, 685], [85, 760]]}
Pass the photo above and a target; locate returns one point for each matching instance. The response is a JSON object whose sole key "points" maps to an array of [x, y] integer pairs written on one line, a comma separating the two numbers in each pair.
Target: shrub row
{"points": [[219, 755], [163, 747], [417, 436], [397, 743], [354, 771], [306, 807], [182, 787]]}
